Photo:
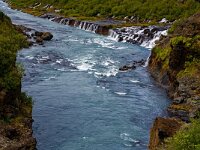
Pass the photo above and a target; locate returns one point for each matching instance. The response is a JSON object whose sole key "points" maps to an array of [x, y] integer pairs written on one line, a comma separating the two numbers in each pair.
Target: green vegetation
{"points": [[187, 138], [192, 59], [142, 9], [183, 35], [10, 75], [10, 42], [178, 55]]}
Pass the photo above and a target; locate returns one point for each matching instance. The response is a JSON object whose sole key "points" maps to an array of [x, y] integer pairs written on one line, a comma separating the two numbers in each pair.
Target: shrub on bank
{"points": [[10, 42], [187, 138]]}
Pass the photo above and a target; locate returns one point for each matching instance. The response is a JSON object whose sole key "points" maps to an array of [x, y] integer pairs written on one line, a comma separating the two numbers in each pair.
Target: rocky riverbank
{"points": [[15, 105], [175, 64]]}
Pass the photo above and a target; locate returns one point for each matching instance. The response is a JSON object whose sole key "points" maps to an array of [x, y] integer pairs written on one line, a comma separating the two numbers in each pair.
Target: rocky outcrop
{"points": [[175, 64], [162, 129], [16, 133], [40, 37], [34, 36]]}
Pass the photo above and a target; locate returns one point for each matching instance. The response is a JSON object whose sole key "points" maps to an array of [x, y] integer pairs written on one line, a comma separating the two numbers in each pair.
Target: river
{"points": [[81, 99]]}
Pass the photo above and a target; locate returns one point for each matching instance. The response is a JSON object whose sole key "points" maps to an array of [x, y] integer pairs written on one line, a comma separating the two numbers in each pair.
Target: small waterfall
{"points": [[87, 26], [114, 35], [144, 36]]}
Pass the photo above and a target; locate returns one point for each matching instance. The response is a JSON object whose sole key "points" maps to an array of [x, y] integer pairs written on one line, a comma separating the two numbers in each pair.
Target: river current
{"points": [[81, 99]]}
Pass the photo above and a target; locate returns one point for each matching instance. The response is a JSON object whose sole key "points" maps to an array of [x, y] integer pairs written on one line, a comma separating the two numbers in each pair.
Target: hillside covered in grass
{"points": [[137, 9]]}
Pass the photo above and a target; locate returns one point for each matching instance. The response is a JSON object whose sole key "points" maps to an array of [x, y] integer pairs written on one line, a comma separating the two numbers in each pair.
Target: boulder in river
{"points": [[47, 36], [38, 33], [39, 40]]}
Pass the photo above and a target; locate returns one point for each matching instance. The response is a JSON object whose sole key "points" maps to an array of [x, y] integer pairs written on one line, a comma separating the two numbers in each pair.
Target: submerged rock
{"points": [[133, 65], [126, 67]]}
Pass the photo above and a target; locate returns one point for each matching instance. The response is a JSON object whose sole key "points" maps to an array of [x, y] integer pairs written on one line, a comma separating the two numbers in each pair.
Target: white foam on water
{"points": [[85, 138], [126, 137], [84, 63], [104, 43], [71, 40], [108, 62], [61, 69], [147, 61], [59, 61], [120, 93], [134, 81], [43, 58], [84, 67], [29, 57], [128, 145], [50, 78], [107, 73], [152, 43]]}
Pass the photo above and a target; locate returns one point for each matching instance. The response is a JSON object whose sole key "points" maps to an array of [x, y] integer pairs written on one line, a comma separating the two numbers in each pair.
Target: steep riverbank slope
{"points": [[15, 106], [175, 64]]}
